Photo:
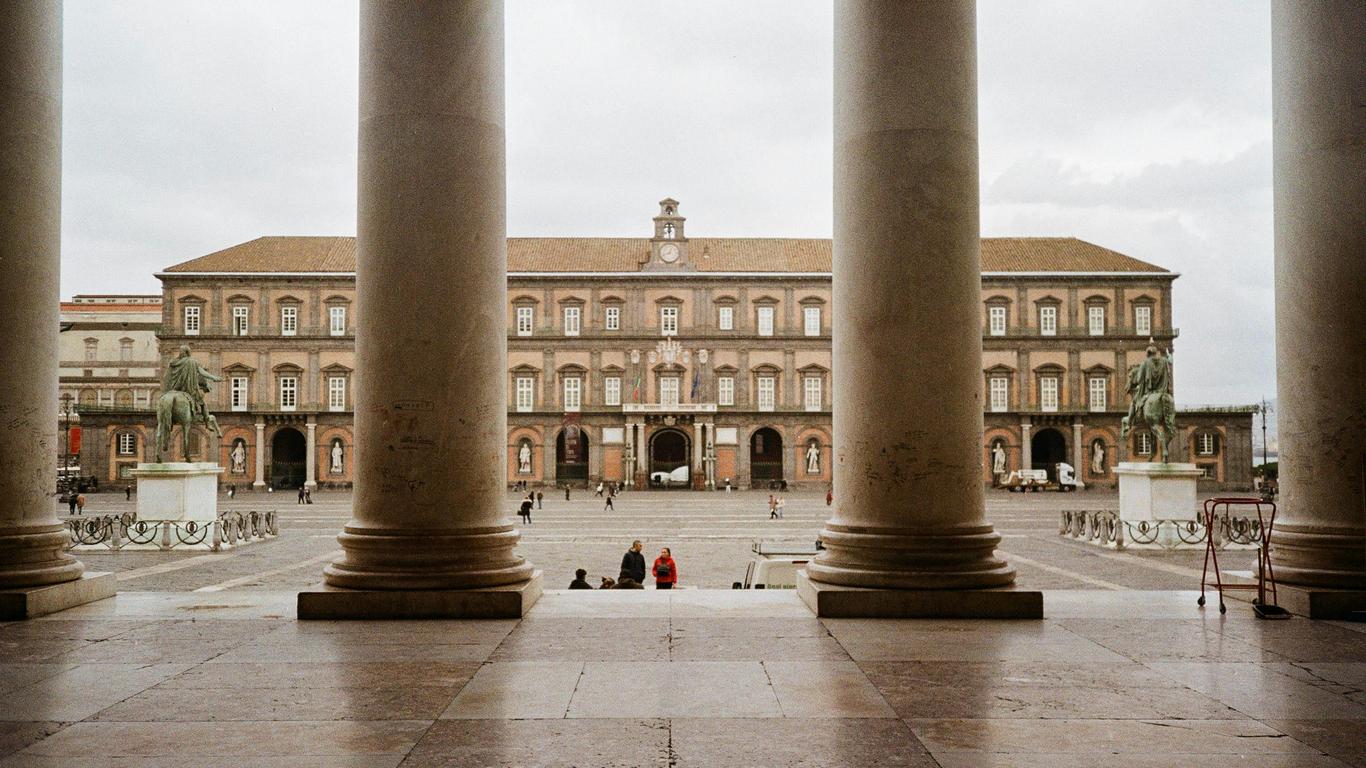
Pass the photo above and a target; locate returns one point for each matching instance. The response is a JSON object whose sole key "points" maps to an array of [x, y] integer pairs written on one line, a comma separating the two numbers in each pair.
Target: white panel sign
{"points": [[613, 435], [727, 435]]}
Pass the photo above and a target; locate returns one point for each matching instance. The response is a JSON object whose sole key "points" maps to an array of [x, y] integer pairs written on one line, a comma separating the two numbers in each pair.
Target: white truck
{"points": [[775, 565]]}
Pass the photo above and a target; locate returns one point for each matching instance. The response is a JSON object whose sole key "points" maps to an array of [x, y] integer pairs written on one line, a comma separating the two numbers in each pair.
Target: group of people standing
{"points": [[632, 573], [775, 507]]}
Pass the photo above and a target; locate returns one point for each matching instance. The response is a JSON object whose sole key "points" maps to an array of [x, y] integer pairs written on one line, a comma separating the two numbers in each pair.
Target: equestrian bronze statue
{"points": [[1150, 399], [182, 402]]}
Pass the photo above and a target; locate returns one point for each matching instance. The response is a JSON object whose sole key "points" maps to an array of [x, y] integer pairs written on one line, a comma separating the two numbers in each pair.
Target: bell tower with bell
{"points": [[669, 246]]}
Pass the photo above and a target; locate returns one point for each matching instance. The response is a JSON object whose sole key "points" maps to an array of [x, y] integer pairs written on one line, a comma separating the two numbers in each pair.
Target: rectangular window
{"points": [[1143, 321], [289, 321], [612, 319], [524, 320], [142, 399], [1095, 321], [240, 316], [997, 320], [668, 391], [668, 321], [92, 350], [1048, 321], [725, 318], [1211, 471], [765, 321], [125, 351], [1143, 444], [1099, 391], [1048, 393], [336, 321], [767, 392], [571, 321], [237, 393], [525, 395], [336, 393], [289, 393], [1204, 443], [725, 390], [811, 321], [611, 390], [1000, 394], [127, 444], [811, 393], [192, 321], [573, 393]]}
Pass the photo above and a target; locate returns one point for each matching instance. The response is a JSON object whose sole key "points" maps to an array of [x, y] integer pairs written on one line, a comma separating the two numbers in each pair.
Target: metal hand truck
{"points": [[1266, 577]]}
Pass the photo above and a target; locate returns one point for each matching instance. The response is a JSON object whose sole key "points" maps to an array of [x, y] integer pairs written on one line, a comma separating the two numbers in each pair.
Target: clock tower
{"points": [[669, 246]]}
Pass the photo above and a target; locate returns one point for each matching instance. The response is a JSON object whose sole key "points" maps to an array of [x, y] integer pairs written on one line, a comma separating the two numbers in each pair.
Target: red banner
{"points": [[74, 440]]}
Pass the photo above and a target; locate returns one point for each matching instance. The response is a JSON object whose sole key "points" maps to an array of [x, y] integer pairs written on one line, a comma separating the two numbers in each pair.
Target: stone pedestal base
{"points": [[180, 490], [1149, 492], [510, 602], [837, 602], [16, 604]]}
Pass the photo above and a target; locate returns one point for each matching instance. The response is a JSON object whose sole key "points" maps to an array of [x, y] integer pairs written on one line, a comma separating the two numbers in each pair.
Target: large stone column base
{"points": [[831, 601], [506, 602], [412, 559], [958, 557], [31, 602], [36, 556], [1319, 556]]}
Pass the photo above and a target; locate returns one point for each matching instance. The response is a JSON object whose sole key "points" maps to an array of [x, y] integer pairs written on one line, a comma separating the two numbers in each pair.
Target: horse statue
{"points": [[176, 408], [1152, 404]]}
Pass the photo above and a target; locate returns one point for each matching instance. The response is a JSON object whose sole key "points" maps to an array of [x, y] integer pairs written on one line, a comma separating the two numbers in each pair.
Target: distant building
{"points": [[699, 360]]}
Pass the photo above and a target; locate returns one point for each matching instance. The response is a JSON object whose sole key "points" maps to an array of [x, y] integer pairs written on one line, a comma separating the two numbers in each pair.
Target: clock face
{"points": [[669, 253]]}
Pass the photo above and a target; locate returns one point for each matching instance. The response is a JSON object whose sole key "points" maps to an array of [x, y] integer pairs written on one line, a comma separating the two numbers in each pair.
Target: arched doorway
{"points": [[288, 451], [765, 456], [670, 466], [1047, 448], [571, 455]]}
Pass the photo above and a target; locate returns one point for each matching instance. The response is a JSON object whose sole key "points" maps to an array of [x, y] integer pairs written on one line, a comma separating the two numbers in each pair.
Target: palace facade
{"points": [[670, 360]]}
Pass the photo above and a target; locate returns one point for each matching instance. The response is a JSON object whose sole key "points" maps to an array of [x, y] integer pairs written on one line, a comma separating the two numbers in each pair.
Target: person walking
{"points": [[829, 495], [601, 487], [607, 505], [128, 493], [665, 570], [80, 503], [525, 510], [779, 506], [71, 502], [301, 496], [772, 507], [580, 580], [633, 564], [566, 491], [539, 497]]}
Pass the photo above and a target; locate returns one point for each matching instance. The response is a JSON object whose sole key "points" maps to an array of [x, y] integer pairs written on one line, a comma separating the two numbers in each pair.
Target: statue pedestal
{"points": [[178, 490], [1149, 492]]}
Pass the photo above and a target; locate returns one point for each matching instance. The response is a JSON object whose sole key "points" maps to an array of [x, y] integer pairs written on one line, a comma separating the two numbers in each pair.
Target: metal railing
{"points": [[232, 528]]}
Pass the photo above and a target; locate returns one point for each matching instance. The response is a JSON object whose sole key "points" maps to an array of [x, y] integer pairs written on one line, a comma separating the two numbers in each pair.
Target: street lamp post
{"points": [[66, 431]]}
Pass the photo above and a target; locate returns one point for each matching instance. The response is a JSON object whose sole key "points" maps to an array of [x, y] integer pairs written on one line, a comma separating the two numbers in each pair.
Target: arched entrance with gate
{"points": [[571, 455], [765, 457], [288, 451], [1046, 449], [670, 459]]}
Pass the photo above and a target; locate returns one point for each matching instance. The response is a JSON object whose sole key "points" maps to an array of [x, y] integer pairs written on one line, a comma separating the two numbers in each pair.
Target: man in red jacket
{"points": [[665, 570]]}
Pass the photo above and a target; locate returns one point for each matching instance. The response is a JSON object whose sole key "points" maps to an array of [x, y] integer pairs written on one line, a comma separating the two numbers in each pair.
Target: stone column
{"points": [[1026, 444], [36, 574], [1078, 453], [429, 534], [709, 455], [1318, 83], [910, 521], [698, 479], [260, 481], [311, 464]]}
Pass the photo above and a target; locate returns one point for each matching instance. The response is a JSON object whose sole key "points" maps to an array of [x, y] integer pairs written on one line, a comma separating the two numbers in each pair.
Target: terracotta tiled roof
{"points": [[626, 254]]}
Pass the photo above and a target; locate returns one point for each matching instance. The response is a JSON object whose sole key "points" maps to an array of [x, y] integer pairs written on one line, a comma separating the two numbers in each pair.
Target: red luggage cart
{"points": [[1266, 578]]}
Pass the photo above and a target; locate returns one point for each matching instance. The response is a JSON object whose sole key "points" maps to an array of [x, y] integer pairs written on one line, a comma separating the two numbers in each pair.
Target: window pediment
{"points": [[1098, 370], [289, 300], [525, 299], [1049, 369], [525, 370], [811, 301], [1096, 300], [765, 301], [668, 300], [335, 299], [767, 369], [998, 300], [813, 369], [336, 368], [238, 368], [571, 369], [726, 369], [192, 299], [1143, 299], [572, 301], [726, 301], [612, 369], [238, 298], [1048, 300], [287, 369], [999, 370]]}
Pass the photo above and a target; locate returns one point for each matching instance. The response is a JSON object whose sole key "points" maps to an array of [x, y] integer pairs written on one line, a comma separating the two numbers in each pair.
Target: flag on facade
{"points": [[636, 390], [696, 383]]}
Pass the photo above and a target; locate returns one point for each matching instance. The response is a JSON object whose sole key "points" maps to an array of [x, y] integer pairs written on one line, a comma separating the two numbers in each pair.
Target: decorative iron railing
{"points": [[1104, 527], [232, 528]]}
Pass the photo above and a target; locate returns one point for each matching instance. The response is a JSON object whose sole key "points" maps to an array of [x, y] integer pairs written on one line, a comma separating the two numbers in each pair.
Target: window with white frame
{"points": [[1000, 394], [765, 315], [1143, 444], [1048, 393], [192, 320], [237, 393], [811, 321], [612, 318], [1048, 320], [572, 318], [811, 393], [1204, 443], [767, 391], [128, 444], [240, 317], [573, 393], [1095, 320], [725, 390], [611, 390], [336, 393], [1143, 320], [1098, 393], [525, 318], [668, 390], [996, 320], [725, 318], [92, 350], [289, 320], [126, 349], [289, 393], [336, 317], [668, 321], [525, 394]]}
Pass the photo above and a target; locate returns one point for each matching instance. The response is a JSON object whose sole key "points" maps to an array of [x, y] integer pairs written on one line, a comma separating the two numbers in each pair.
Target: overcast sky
{"points": [[1142, 126]]}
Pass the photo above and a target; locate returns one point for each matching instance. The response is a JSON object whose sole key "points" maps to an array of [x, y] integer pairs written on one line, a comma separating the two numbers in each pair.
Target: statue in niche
{"points": [[524, 458], [998, 458], [338, 458], [1098, 457], [813, 458], [238, 456], [1151, 402]]}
